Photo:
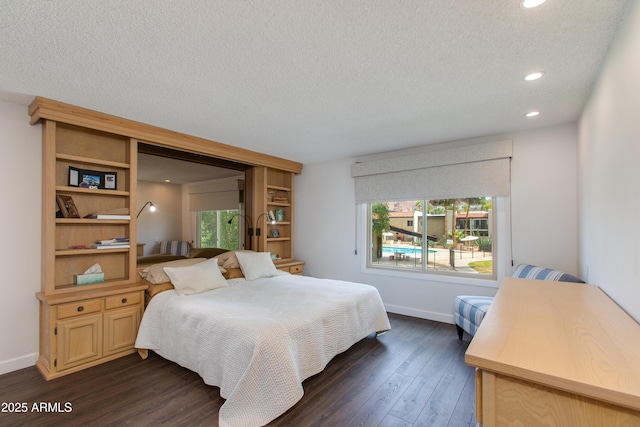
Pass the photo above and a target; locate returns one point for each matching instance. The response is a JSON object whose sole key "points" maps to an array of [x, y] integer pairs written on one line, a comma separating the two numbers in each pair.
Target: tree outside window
{"points": [[214, 230]]}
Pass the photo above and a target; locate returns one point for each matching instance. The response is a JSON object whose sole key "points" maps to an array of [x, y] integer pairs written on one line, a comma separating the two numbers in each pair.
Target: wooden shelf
{"points": [[89, 160], [278, 188], [83, 290], [93, 192], [90, 251], [90, 221]]}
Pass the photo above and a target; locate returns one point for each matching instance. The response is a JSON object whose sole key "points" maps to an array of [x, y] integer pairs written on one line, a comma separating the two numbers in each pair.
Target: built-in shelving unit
{"points": [[84, 325], [273, 207]]}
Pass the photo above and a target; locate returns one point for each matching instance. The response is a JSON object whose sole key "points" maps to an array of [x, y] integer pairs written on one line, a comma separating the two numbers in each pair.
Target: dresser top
{"points": [[568, 336]]}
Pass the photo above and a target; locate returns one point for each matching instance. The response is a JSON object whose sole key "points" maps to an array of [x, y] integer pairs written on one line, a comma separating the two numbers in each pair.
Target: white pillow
{"points": [[255, 265], [155, 274], [193, 279]]}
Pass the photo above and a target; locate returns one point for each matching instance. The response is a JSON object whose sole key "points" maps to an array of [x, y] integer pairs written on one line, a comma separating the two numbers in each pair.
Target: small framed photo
{"points": [[96, 180], [67, 207], [275, 232]]}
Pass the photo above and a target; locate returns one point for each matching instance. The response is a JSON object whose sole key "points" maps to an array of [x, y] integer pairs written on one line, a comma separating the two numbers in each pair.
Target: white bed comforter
{"points": [[258, 340]]}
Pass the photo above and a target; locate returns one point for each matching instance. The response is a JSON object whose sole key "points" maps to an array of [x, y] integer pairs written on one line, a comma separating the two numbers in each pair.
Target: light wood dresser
{"points": [[556, 354], [293, 267]]}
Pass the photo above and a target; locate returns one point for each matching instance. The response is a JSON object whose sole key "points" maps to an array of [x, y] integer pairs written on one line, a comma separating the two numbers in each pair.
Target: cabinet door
{"points": [[79, 341], [120, 329]]}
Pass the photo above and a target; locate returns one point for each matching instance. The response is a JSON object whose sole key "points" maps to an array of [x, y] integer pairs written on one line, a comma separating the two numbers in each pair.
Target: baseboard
{"points": [[21, 362], [422, 314]]}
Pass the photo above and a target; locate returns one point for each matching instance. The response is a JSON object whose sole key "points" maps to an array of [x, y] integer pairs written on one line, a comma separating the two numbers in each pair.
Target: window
{"points": [[214, 230], [448, 236]]}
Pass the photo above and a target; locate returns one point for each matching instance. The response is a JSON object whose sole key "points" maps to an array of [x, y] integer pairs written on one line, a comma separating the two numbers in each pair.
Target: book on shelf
{"points": [[115, 243], [119, 213], [124, 246]]}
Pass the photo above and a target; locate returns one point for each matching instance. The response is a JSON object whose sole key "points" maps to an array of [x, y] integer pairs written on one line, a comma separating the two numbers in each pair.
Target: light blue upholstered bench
{"points": [[469, 310]]}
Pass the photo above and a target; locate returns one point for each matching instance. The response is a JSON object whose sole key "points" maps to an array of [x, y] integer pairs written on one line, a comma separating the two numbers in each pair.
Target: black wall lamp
{"points": [[152, 208], [271, 220], [249, 229]]}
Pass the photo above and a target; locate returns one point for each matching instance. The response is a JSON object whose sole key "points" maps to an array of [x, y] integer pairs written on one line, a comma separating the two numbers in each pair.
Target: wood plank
{"points": [[358, 387], [43, 108], [568, 336]]}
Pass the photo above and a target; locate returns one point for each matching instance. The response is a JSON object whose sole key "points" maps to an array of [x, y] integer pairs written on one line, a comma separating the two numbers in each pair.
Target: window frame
{"points": [[501, 257]]}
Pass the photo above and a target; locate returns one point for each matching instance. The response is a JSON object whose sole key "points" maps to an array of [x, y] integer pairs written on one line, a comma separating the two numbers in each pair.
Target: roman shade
{"points": [[457, 172], [213, 201], [215, 195]]}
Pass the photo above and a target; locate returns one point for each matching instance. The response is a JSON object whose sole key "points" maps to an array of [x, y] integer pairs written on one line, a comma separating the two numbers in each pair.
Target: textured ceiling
{"points": [[311, 80]]}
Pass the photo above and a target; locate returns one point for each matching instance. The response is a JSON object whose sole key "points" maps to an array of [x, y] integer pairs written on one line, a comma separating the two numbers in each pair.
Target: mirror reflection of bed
{"points": [[170, 179]]}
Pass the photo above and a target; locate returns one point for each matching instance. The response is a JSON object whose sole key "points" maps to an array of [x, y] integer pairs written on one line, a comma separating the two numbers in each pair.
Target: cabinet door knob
{"points": [[80, 308], [124, 300]]}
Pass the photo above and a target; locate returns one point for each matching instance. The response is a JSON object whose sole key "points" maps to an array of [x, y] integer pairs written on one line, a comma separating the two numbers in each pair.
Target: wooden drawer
{"points": [[122, 300], [295, 269], [79, 308]]}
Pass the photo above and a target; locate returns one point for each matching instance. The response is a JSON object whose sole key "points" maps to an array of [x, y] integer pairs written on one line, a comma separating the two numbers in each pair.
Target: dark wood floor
{"points": [[414, 375]]}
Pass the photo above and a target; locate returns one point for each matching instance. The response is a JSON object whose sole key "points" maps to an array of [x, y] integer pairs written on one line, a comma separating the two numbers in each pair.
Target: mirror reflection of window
{"points": [[214, 230]]}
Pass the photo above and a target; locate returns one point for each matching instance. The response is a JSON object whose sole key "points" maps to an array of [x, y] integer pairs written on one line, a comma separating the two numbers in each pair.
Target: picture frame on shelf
{"points": [[98, 180], [67, 206], [275, 232]]}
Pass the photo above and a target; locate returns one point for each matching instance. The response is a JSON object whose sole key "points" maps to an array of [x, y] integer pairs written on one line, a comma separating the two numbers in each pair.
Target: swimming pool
{"points": [[407, 250]]}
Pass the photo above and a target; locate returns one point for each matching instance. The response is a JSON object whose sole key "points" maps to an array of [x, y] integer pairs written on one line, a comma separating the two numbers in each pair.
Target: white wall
{"points": [[543, 206], [20, 175], [609, 171], [166, 222]]}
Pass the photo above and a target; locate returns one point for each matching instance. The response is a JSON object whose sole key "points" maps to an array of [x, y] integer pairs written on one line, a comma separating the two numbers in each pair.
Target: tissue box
{"points": [[86, 279]]}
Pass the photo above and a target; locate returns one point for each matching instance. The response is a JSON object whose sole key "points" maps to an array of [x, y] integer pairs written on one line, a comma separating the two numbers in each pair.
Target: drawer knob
{"points": [[80, 308], [124, 300]]}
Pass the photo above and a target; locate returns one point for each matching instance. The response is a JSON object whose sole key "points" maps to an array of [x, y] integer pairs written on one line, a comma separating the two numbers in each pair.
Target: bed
{"points": [[257, 338]]}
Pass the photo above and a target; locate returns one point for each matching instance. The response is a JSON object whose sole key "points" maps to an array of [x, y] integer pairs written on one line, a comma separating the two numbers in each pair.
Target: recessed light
{"points": [[528, 4], [533, 76], [167, 180], [532, 113]]}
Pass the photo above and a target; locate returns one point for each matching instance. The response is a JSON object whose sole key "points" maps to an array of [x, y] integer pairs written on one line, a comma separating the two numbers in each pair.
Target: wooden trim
{"points": [[48, 204], [50, 375], [43, 108], [478, 374], [81, 294], [132, 182]]}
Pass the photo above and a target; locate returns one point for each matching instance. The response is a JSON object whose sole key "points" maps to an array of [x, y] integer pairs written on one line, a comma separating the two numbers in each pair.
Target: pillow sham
{"points": [[155, 274], [229, 259], [233, 273], [206, 252], [196, 278], [155, 288], [255, 265]]}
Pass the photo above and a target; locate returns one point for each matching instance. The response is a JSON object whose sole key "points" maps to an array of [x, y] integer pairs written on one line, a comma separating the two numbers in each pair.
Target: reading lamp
{"points": [[249, 229], [271, 220], [152, 208]]}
